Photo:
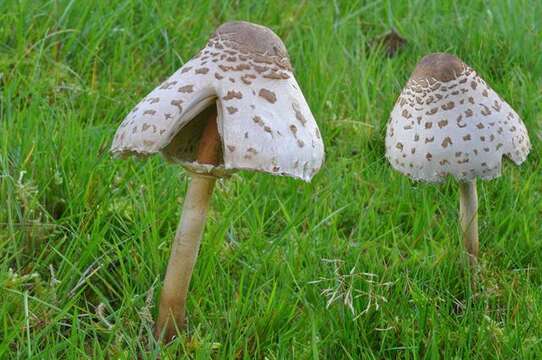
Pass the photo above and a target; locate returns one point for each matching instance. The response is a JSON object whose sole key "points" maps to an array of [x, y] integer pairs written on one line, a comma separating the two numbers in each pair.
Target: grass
{"points": [[361, 263]]}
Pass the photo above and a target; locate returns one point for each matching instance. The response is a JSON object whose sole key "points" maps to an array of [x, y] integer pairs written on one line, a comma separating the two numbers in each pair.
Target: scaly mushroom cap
{"points": [[263, 119], [448, 121]]}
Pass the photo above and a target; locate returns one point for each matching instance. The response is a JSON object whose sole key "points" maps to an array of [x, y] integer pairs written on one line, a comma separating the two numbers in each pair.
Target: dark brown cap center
{"points": [[440, 66], [253, 38]]}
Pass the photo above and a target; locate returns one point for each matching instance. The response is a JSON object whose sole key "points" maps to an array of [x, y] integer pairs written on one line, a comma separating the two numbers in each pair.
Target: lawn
{"points": [[360, 263]]}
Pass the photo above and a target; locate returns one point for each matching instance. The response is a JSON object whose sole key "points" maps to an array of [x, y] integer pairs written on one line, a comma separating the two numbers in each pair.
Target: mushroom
{"points": [[448, 121], [235, 106]]}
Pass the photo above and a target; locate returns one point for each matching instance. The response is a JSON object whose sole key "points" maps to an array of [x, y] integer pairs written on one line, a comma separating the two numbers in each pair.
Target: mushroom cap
{"points": [[263, 119], [448, 121]]}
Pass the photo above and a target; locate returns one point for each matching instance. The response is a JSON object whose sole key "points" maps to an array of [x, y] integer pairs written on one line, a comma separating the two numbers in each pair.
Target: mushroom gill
{"points": [[183, 147]]}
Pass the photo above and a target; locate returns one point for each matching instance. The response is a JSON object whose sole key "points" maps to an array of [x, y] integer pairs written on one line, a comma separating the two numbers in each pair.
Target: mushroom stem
{"points": [[468, 213], [185, 247]]}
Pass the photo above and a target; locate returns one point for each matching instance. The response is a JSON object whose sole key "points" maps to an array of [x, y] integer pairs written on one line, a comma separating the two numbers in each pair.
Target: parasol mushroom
{"points": [[448, 121], [234, 106]]}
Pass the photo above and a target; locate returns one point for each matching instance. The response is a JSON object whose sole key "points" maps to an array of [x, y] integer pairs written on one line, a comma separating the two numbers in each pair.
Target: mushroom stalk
{"points": [[468, 213], [185, 247]]}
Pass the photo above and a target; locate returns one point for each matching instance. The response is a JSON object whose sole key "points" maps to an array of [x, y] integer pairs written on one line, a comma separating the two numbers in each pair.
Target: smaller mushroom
{"points": [[448, 121]]}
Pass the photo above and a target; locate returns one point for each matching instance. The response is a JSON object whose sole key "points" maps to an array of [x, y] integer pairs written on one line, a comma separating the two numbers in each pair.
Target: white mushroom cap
{"points": [[263, 119], [448, 121]]}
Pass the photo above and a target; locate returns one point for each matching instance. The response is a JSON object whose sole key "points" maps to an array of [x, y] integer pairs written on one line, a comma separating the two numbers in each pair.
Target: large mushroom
{"points": [[234, 106], [448, 121]]}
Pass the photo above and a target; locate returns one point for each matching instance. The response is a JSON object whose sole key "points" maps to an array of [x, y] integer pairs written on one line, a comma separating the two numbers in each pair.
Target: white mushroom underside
{"points": [[263, 119], [460, 128]]}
